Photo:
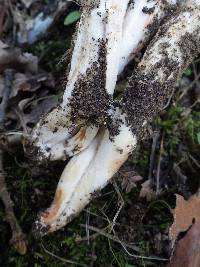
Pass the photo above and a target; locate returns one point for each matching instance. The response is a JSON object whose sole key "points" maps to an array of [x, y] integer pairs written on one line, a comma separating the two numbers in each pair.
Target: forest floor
{"points": [[140, 235]]}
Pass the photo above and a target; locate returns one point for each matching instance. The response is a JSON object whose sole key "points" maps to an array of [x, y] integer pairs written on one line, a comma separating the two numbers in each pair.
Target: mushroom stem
{"points": [[173, 48], [114, 31], [86, 173], [175, 45]]}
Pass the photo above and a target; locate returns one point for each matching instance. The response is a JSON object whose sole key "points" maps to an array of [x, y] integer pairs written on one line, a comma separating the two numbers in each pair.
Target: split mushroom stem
{"points": [[107, 38], [175, 45], [90, 77]]}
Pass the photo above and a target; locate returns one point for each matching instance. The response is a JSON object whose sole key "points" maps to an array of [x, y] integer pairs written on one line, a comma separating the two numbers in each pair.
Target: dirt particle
{"points": [[148, 10], [89, 100]]}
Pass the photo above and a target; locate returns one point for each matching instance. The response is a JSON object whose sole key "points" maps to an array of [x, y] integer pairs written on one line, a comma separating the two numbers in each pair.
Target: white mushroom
{"points": [[118, 29], [176, 43]]}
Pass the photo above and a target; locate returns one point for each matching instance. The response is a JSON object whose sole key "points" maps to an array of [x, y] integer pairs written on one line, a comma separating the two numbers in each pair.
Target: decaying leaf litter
{"points": [[170, 164]]}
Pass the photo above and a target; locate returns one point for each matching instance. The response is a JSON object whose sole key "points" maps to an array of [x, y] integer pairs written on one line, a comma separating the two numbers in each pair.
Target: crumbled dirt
{"points": [[147, 10], [89, 99], [168, 10], [144, 90], [189, 45]]}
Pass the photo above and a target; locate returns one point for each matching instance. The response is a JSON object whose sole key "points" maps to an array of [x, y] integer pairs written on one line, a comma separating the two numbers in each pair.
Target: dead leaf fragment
{"points": [[147, 192], [36, 109], [27, 3], [185, 213], [12, 57], [187, 253], [31, 24], [30, 96], [3, 45], [20, 244], [129, 180], [4, 16]]}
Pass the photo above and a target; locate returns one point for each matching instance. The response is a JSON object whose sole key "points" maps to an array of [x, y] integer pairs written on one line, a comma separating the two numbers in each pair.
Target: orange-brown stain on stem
{"points": [[82, 134], [117, 164], [50, 214]]}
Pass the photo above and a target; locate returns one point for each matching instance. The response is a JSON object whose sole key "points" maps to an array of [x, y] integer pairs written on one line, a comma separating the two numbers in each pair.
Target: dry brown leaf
{"points": [[35, 18], [29, 83], [129, 180], [185, 213], [12, 57], [20, 83], [3, 45], [27, 3], [31, 111], [2, 15], [187, 253], [147, 192]]}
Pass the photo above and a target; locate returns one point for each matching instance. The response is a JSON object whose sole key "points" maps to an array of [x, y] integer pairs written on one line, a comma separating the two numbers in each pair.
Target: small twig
{"points": [[87, 223], [169, 100], [3, 13], [23, 124], [18, 238], [194, 160], [158, 168], [62, 259], [144, 257], [195, 103], [195, 81], [152, 156], [196, 75], [178, 172], [109, 236], [85, 238], [96, 215], [124, 245], [167, 171], [8, 79], [120, 202]]}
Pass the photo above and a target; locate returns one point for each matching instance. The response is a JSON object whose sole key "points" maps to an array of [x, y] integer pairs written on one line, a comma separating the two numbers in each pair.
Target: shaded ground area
{"points": [[119, 224]]}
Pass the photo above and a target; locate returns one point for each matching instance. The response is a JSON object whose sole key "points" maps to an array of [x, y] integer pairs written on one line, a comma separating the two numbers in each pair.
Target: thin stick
{"points": [[152, 156], [8, 79], [158, 168], [169, 100], [87, 223], [144, 257], [120, 202], [194, 160], [85, 238], [124, 245], [18, 238], [109, 236], [62, 259]]}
